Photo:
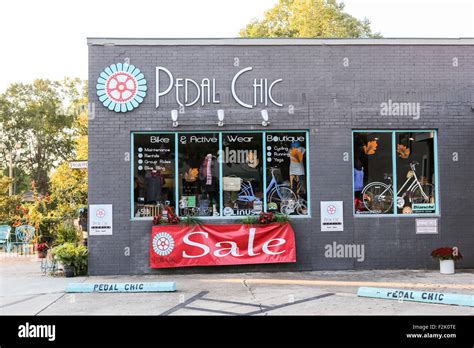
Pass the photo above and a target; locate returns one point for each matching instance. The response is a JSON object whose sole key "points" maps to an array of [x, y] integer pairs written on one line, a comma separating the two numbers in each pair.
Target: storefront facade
{"points": [[365, 144]]}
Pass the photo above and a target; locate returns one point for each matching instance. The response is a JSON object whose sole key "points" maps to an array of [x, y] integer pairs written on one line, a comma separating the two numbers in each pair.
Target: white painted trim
{"points": [[274, 42]]}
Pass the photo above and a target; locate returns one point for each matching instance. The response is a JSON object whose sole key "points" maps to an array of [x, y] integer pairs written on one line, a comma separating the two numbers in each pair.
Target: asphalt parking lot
{"points": [[24, 290]]}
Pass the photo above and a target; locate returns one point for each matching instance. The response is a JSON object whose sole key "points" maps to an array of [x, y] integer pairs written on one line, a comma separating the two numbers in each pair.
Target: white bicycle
{"points": [[378, 196]]}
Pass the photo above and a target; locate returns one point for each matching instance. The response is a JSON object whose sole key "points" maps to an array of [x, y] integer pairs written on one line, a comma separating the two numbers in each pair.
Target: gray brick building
{"points": [[331, 89]]}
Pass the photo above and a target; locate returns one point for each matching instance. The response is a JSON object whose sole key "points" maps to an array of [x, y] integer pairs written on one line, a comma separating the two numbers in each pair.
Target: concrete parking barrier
{"points": [[122, 287], [417, 296]]}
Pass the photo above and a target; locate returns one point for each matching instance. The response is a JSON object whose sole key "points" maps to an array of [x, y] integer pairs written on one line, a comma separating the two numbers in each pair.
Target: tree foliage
{"points": [[68, 186], [8, 204], [36, 123], [308, 19]]}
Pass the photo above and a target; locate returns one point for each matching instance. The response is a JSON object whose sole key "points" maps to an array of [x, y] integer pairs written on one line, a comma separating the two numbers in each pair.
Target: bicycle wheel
{"points": [[377, 197], [302, 207], [287, 209], [417, 196], [281, 196]]}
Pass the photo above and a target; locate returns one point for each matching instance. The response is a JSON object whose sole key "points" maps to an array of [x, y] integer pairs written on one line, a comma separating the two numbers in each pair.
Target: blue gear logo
{"points": [[163, 244], [121, 87]]}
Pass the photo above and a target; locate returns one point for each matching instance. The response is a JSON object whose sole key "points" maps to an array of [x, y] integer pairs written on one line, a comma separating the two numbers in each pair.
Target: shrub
{"points": [[250, 220], [67, 233], [282, 218], [48, 228], [71, 255], [190, 221], [265, 218]]}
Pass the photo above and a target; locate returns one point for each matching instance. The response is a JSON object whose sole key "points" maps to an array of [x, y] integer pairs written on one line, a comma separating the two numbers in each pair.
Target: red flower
{"points": [[42, 247], [266, 218], [446, 253], [171, 217]]}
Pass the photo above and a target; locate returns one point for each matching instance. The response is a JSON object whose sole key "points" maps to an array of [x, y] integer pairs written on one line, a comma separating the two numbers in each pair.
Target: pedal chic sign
{"points": [[205, 90], [123, 87], [217, 245]]}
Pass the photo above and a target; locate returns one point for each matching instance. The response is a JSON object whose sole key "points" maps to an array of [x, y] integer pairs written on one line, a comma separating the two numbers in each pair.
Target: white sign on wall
{"points": [[78, 165], [426, 226], [100, 219], [332, 217]]}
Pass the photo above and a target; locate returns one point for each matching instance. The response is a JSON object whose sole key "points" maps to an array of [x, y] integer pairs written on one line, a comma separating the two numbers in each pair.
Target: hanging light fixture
{"points": [[220, 117], [265, 121], [174, 118]]}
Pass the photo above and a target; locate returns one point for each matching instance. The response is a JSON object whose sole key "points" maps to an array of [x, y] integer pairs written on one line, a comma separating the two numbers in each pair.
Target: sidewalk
{"points": [[24, 290]]}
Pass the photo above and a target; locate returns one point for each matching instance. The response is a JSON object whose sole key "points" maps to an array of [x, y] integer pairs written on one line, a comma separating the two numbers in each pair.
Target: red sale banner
{"points": [[217, 245]]}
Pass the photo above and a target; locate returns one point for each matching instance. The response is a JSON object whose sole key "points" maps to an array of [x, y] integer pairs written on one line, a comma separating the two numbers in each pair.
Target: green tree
{"points": [[36, 125], [21, 181], [68, 186], [8, 204], [308, 19]]}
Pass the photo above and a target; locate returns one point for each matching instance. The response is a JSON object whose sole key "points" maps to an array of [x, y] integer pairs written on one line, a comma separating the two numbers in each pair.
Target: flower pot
{"points": [[69, 271], [41, 255], [446, 266]]}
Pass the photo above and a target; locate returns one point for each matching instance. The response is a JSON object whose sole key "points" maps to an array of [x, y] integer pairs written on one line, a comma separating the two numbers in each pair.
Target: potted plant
{"points": [[169, 218], [42, 249], [72, 257], [446, 257], [266, 219]]}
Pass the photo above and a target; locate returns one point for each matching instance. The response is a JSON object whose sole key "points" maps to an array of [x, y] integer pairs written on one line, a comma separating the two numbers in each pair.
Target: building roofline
{"points": [[104, 41]]}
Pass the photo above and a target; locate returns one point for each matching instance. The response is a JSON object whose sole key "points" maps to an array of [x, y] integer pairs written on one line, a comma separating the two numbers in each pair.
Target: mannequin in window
{"points": [[154, 181], [208, 176], [297, 172], [358, 178]]}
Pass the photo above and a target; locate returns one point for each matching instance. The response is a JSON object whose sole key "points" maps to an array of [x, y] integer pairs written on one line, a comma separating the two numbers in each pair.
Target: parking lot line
{"points": [[234, 302], [290, 304], [340, 283], [185, 303]]}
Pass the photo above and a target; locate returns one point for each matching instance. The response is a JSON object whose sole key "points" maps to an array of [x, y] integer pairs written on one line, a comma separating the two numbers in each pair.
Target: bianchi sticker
{"points": [[163, 244]]}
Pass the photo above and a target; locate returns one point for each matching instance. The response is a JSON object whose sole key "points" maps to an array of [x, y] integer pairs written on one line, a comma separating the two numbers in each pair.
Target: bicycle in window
{"points": [[280, 194], [378, 196]]}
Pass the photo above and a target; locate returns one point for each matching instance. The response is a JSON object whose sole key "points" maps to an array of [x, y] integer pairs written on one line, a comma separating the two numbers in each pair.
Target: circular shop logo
{"points": [[163, 244], [121, 87], [331, 209], [100, 213]]}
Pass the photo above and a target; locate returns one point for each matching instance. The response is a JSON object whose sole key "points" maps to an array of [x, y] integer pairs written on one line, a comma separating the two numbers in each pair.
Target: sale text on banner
{"points": [[217, 245]]}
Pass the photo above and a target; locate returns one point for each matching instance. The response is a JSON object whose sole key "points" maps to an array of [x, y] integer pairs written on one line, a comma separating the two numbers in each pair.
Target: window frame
{"points": [[394, 171], [221, 196]]}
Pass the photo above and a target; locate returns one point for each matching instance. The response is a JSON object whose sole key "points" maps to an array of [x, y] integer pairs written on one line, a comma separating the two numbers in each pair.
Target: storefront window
{"points": [[415, 173], [154, 174], [198, 174], [373, 189], [286, 190], [242, 171], [412, 190], [220, 174]]}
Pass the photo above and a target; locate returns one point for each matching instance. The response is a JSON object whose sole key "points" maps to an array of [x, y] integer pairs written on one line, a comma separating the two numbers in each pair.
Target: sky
{"points": [[47, 38]]}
